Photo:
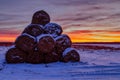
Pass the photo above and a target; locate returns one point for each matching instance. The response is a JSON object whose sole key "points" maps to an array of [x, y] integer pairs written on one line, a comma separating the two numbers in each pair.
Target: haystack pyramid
{"points": [[42, 42]]}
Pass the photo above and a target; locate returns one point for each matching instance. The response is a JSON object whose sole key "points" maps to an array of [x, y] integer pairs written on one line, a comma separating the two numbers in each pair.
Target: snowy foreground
{"points": [[97, 64]]}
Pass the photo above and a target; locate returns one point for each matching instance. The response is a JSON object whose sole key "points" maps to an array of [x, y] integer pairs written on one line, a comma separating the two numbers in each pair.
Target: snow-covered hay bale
{"points": [[62, 42], [35, 57], [53, 29], [40, 17], [46, 43], [25, 42], [51, 57], [34, 30], [70, 54], [15, 55]]}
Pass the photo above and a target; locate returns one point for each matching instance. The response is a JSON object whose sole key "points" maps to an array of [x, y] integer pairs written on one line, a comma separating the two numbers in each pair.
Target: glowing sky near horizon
{"points": [[82, 20]]}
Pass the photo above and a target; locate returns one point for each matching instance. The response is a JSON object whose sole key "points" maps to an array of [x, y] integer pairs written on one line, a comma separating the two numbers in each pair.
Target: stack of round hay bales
{"points": [[42, 42]]}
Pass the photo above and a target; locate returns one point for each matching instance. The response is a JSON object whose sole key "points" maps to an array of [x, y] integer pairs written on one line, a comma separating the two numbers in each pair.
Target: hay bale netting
{"points": [[40, 17], [45, 43], [62, 42], [51, 57], [70, 54], [53, 29], [35, 57], [25, 42], [34, 30], [14, 55]]}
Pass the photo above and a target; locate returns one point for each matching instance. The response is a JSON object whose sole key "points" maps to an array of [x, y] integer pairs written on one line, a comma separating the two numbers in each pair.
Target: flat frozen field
{"points": [[94, 65]]}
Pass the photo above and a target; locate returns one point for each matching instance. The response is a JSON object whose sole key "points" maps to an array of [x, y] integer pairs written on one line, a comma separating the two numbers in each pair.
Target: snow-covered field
{"points": [[97, 64]]}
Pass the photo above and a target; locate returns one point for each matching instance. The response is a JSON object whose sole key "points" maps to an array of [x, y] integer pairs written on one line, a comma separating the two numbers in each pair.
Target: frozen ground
{"points": [[95, 65]]}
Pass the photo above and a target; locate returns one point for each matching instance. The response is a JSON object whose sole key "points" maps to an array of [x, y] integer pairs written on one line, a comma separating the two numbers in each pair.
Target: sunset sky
{"points": [[82, 20]]}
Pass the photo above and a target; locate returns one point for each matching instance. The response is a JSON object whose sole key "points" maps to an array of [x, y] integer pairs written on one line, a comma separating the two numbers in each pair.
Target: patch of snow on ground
{"points": [[105, 45], [94, 65]]}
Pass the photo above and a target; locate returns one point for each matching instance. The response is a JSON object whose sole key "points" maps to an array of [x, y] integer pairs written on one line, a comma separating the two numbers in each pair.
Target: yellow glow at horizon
{"points": [[7, 38], [76, 37]]}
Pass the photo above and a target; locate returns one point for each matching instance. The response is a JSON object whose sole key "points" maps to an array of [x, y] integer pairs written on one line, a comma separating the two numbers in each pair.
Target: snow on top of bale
{"points": [[25, 34], [66, 51], [67, 39], [61, 36], [54, 25], [53, 28], [34, 29], [31, 25], [43, 35]]}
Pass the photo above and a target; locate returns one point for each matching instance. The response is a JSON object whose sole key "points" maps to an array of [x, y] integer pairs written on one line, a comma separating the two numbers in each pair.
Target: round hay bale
{"points": [[15, 55], [51, 57], [62, 42], [34, 30], [46, 43], [40, 17], [53, 29], [25, 42], [35, 57], [70, 54]]}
